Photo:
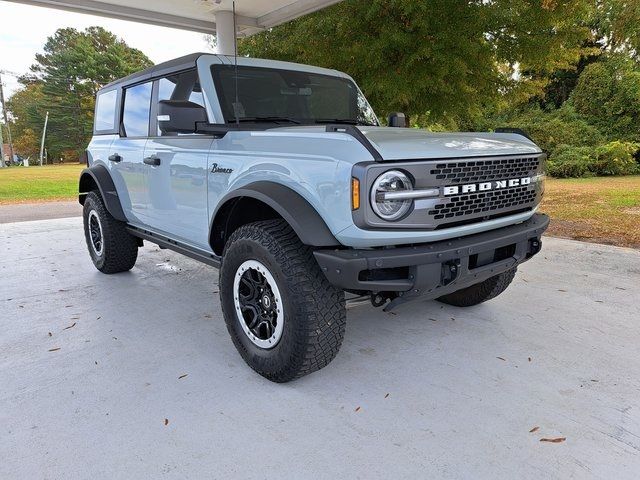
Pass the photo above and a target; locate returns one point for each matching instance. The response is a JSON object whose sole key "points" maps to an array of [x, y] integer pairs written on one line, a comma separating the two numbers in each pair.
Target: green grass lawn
{"points": [[600, 209], [33, 184]]}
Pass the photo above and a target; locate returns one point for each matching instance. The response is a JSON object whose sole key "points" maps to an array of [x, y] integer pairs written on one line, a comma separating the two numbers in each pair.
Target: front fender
{"points": [[291, 206]]}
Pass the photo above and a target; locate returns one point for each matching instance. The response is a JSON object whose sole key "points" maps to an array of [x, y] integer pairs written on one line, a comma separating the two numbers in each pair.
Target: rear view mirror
{"points": [[180, 116], [397, 119]]}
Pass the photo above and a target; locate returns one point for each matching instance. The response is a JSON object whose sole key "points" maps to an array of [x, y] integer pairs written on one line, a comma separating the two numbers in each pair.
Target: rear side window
{"points": [[105, 119], [182, 86], [135, 114]]}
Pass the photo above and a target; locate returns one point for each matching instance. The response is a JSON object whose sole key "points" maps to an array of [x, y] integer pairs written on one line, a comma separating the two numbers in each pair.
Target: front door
{"points": [[177, 183]]}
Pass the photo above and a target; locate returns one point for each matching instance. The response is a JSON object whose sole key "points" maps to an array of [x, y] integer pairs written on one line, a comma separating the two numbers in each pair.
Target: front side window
{"points": [[300, 97], [106, 111], [182, 86], [135, 114]]}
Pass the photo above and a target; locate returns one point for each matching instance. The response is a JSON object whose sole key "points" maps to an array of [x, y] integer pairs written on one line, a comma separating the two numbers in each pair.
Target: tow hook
{"points": [[450, 271], [535, 246]]}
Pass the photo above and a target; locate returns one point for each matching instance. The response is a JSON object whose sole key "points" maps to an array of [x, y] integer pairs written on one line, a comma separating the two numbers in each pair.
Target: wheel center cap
{"points": [[266, 301]]}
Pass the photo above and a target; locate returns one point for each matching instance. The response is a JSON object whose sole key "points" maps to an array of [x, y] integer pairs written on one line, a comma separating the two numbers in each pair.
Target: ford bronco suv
{"points": [[281, 176]]}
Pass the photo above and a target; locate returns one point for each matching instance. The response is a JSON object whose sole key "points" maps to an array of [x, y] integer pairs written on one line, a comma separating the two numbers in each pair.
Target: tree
{"points": [[440, 59], [73, 67]]}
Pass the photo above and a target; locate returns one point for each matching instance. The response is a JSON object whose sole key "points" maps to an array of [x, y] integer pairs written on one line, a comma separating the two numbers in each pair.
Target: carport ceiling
{"points": [[197, 15]]}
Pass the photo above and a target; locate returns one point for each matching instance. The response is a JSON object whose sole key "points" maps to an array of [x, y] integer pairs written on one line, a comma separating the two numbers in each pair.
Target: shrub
{"points": [[616, 158], [568, 161]]}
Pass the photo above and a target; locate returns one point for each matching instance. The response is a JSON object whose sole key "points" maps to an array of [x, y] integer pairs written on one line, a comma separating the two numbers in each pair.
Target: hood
{"points": [[413, 144]]}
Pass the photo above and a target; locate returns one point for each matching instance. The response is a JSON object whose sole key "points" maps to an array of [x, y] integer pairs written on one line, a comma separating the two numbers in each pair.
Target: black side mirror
{"points": [[180, 116], [398, 119]]}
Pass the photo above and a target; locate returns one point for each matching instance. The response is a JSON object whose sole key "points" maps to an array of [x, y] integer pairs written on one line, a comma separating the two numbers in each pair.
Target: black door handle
{"points": [[115, 158], [152, 160]]}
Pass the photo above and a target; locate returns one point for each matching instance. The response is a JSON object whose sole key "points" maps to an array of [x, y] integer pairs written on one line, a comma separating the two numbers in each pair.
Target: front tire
{"points": [[480, 292], [111, 247], [284, 317]]}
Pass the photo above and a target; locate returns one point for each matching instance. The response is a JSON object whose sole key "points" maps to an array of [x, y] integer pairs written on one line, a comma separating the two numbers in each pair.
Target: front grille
{"points": [[483, 202], [481, 170]]}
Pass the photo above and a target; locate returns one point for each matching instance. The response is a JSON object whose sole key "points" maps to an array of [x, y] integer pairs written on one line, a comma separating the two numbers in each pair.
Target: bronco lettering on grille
{"points": [[485, 186]]}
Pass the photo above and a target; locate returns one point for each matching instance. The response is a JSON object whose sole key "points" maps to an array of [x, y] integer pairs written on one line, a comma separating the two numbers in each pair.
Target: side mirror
{"points": [[179, 116], [398, 119]]}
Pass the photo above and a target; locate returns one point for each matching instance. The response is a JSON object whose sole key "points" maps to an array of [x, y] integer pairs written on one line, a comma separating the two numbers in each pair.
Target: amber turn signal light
{"points": [[355, 193]]}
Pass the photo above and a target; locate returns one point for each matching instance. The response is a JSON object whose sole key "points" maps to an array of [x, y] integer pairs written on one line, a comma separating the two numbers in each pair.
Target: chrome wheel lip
{"points": [[96, 236], [277, 332]]}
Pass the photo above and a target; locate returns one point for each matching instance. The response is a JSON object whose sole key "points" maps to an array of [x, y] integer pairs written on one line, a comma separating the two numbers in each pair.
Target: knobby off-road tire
{"points": [[480, 292], [111, 247], [313, 317]]}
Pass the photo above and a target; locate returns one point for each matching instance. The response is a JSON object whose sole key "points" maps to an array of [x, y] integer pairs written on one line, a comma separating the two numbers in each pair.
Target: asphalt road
{"points": [[24, 212], [93, 385]]}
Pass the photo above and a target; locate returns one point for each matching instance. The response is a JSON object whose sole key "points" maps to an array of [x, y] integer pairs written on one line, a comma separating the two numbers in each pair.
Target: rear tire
{"points": [[284, 317], [111, 247], [480, 292]]}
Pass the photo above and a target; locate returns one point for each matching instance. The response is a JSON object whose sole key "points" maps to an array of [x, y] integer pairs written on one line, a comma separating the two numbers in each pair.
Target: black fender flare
{"points": [[291, 206], [99, 176]]}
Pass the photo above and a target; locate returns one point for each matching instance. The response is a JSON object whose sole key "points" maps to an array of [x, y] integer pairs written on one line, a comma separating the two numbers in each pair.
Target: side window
{"points": [[182, 86], [105, 119], [135, 114]]}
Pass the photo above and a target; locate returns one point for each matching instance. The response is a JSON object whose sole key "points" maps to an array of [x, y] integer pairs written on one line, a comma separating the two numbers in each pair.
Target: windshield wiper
{"points": [[265, 119], [346, 121]]}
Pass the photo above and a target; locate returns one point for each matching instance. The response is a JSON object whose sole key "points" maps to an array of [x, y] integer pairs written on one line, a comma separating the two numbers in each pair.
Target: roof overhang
{"points": [[197, 15]]}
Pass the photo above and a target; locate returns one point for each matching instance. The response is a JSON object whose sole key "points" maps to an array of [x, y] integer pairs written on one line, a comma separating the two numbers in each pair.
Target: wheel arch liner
{"points": [[100, 176], [291, 206]]}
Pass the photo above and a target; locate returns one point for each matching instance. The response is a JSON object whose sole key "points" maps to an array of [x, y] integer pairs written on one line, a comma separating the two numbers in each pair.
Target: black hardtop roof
{"points": [[164, 68]]}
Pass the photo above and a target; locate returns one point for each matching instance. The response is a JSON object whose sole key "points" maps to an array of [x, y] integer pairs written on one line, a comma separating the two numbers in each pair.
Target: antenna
{"points": [[235, 57]]}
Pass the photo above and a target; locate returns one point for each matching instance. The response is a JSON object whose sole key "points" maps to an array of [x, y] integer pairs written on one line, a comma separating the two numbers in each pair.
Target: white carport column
{"points": [[225, 33]]}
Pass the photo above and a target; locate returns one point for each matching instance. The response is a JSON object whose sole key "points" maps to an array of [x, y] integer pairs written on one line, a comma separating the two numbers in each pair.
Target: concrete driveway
{"points": [[133, 376]]}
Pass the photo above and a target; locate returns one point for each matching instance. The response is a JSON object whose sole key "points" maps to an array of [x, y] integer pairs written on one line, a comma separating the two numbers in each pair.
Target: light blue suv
{"points": [[280, 175]]}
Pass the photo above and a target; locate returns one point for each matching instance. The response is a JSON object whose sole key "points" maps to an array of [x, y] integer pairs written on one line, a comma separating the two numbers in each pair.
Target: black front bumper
{"points": [[437, 268]]}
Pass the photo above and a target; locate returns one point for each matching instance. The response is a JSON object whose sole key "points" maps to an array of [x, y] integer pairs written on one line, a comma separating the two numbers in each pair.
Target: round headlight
{"points": [[386, 207]]}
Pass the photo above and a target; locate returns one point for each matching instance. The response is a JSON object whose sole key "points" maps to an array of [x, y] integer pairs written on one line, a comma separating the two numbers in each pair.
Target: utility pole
{"points": [[1, 149], [44, 132], [6, 122]]}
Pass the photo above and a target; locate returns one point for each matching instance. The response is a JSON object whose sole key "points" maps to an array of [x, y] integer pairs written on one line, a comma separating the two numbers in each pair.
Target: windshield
{"points": [[274, 95]]}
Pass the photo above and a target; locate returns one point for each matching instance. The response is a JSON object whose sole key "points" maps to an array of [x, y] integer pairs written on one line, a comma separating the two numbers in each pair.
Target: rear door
{"points": [[127, 153], [178, 183]]}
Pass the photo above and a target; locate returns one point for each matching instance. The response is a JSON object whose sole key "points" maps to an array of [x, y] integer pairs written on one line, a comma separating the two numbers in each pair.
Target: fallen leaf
{"points": [[534, 429], [599, 301], [386, 396], [182, 376], [54, 349], [63, 290], [561, 290], [594, 380], [166, 421], [70, 326], [620, 288], [68, 306], [553, 440], [500, 358], [357, 409]]}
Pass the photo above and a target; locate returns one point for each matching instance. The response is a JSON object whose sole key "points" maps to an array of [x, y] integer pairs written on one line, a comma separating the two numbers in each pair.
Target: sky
{"points": [[24, 30]]}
